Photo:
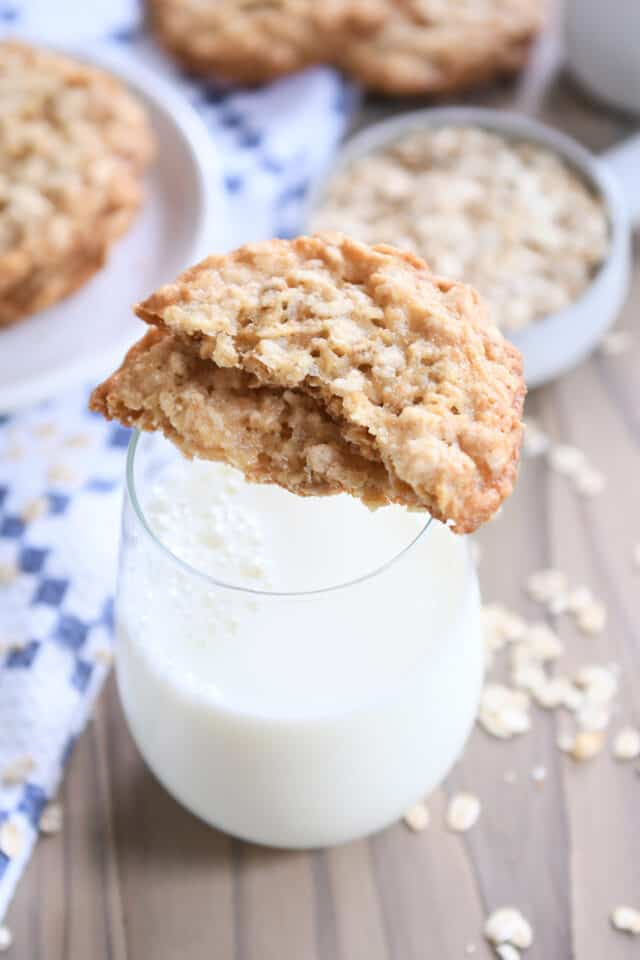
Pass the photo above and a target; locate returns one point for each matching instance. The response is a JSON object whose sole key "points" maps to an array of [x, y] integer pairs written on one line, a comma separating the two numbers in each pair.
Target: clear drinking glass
{"points": [[317, 706]]}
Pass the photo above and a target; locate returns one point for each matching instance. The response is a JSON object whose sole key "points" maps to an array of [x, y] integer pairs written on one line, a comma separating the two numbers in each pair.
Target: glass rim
{"points": [[239, 588]]}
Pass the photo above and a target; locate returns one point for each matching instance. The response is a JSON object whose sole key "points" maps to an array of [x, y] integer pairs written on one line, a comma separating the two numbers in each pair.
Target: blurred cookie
{"points": [[441, 46], [248, 42], [73, 147]]}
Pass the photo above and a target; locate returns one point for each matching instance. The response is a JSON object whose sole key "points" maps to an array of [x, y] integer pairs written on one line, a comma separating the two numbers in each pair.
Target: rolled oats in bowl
{"points": [[509, 216]]}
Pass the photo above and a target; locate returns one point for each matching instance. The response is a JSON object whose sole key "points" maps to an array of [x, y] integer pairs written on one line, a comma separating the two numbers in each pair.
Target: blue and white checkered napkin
{"points": [[61, 467]]}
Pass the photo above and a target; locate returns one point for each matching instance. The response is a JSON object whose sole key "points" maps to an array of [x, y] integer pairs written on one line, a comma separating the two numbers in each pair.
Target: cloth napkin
{"points": [[61, 466]]}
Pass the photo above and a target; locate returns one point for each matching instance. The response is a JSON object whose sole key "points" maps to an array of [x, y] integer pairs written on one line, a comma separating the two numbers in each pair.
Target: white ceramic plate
{"points": [[82, 337]]}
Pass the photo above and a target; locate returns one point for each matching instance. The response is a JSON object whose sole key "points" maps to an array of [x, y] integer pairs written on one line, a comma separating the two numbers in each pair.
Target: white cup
{"points": [[603, 49]]}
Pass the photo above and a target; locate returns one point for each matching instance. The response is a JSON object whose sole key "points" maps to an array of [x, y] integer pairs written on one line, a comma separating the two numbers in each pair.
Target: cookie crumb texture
{"points": [[73, 147], [393, 46], [326, 365]]}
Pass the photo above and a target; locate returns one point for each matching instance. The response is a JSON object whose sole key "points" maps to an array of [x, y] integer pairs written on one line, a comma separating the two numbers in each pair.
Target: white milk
{"points": [[298, 720]]}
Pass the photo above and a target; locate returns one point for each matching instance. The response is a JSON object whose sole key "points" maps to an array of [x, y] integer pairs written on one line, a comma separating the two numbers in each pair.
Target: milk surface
{"points": [[273, 657], [303, 719]]}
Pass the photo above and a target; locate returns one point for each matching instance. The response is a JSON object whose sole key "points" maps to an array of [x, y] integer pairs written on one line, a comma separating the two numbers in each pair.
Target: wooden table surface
{"points": [[134, 876]]}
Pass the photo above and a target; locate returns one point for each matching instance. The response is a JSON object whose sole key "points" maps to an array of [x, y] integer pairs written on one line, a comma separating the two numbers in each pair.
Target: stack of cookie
{"points": [[393, 46], [74, 145]]}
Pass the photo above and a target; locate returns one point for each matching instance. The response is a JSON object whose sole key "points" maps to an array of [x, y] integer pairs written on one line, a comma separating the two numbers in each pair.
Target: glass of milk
{"points": [[296, 671]]}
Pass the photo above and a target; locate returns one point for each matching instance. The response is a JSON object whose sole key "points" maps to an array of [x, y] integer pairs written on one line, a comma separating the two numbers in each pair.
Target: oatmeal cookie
{"points": [[442, 46], [383, 379], [73, 147], [250, 43]]}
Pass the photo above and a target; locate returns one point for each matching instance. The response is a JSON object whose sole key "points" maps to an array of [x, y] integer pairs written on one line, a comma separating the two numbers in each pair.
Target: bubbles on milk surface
{"points": [[298, 621]]}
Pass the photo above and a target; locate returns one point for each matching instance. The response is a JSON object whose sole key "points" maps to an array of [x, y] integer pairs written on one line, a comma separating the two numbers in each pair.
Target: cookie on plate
{"points": [[74, 145], [326, 365], [250, 43], [442, 46]]}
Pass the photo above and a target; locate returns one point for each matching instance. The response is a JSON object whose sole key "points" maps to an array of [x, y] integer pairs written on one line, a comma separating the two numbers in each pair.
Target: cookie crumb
{"points": [[462, 812], [51, 819], [508, 925], [626, 919], [626, 745], [17, 771], [417, 818]]}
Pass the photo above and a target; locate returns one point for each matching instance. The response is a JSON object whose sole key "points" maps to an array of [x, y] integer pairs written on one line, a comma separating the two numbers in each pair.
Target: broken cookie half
{"points": [[327, 365]]}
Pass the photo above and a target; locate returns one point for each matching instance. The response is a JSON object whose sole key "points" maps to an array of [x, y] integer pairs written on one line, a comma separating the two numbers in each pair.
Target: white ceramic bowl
{"points": [[83, 336], [558, 342]]}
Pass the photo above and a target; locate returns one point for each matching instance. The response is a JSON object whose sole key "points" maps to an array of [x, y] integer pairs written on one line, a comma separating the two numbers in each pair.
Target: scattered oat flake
{"points": [[566, 459], [593, 716], [545, 585], [35, 509], [51, 819], [462, 812], [510, 776], [592, 618], [557, 691], [541, 643], [535, 441], [626, 919], [615, 342], [589, 482], [8, 573], [600, 684], [17, 771], [507, 925], [10, 839], [470, 949], [539, 774], [504, 712], [626, 744], [587, 744], [6, 939], [506, 951], [417, 818], [578, 599]]}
